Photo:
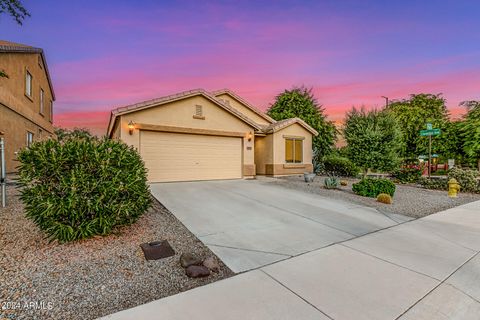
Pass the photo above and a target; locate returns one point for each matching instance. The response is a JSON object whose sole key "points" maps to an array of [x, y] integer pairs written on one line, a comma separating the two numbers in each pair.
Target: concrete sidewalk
{"points": [[423, 269]]}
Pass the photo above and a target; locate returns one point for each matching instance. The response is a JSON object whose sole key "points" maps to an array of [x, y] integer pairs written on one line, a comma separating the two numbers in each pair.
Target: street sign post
{"points": [[429, 133]]}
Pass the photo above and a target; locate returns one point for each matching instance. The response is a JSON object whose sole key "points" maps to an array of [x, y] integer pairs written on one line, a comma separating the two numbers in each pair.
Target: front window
{"points": [[29, 138], [50, 113], [293, 150], [42, 108], [28, 84]]}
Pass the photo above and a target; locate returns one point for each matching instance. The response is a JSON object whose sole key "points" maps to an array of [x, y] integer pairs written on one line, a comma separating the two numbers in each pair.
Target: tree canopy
{"points": [[413, 114], [300, 102], [471, 130], [15, 9], [374, 139]]}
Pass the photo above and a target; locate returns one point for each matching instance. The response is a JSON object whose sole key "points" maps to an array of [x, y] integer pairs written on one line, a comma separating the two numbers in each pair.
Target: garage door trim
{"points": [[172, 129]]}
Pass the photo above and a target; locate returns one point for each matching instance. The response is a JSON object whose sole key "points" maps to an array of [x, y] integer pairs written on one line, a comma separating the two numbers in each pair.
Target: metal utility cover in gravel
{"points": [[157, 250], [91, 278]]}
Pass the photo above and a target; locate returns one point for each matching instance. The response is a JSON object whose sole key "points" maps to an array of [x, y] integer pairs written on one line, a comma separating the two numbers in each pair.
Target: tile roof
{"points": [[12, 47], [274, 127], [243, 101]]}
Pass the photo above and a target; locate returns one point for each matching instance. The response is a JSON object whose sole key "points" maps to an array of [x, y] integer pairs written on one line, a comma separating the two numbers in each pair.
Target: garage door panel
{"points": [[187, 157]]}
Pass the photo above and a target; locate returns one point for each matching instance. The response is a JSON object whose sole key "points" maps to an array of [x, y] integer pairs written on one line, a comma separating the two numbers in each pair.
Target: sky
{"points": [[106, 54]]}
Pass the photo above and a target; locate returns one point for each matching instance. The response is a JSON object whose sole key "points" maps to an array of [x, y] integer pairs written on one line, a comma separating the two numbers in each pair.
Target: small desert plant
{"points": [[82, 187], [466, 178], [344, 183], [371, 187], [384, 198], [331, 182], [336, 165]]}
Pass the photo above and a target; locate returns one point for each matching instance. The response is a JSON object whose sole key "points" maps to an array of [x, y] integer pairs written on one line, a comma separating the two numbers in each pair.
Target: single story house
{"points": [[200, 135]]}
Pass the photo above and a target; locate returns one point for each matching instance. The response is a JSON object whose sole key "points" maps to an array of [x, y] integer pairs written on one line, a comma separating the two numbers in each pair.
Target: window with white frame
{"points": [[28, 84], [29, 138], [42, 104]]}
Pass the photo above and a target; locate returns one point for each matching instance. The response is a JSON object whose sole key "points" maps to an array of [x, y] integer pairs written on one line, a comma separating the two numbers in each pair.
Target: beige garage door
{"points": [[188, 157]]}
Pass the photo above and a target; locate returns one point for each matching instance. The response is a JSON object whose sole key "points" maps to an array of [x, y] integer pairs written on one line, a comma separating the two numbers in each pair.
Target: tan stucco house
{"points": [[200, 135], [26, 98]]}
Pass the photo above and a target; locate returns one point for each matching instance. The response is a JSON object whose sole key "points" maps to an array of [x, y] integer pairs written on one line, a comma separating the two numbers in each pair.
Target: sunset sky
{"points": [[105, 54]]}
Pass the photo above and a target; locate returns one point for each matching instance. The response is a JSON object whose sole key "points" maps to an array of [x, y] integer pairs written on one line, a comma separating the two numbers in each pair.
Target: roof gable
{"points": [[243, 102], [175, 97], [12, 47], [279, 125]]}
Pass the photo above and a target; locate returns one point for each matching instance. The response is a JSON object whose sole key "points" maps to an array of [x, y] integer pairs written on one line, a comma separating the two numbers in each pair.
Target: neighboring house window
{"points": [[28, 84], [42, 104], [29, 138], [293, 150], [50, 113]]}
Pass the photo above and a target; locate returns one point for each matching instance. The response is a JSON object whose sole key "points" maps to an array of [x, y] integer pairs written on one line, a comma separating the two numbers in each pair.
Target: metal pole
{"points": [[429, 156], [3, 176]]}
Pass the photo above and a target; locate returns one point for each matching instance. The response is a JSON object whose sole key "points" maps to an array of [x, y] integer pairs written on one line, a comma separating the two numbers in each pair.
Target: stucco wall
{"points": [[243, 109], [18, 113], [263, 152], [180, 114]]}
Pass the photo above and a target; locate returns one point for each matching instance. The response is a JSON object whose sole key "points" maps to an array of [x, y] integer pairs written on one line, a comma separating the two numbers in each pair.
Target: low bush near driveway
{"points": [[371, 187], [410, 174], [467, 179], [434, 183], [82, 187]]}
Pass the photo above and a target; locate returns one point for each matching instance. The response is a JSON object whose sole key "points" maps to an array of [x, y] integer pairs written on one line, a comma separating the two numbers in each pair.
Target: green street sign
{"points": [[429, 126], [432, 132]]}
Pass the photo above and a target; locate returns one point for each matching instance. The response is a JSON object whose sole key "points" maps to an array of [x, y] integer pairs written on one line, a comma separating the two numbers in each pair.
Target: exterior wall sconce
{"points": [[131, 127], [249, 136]]}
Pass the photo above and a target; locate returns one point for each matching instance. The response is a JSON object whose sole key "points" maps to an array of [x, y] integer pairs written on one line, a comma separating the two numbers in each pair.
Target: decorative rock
{"points": [[189, 259], [197, 271], [212, 264]]}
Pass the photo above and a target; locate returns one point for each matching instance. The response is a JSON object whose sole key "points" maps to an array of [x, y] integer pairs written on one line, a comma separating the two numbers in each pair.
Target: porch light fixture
{"points": [[249, 136], [131, 127]]}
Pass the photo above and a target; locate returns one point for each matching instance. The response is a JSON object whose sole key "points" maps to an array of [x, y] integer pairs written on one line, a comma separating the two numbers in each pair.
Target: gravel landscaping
{"points": [[409, 200], [95, 277]]}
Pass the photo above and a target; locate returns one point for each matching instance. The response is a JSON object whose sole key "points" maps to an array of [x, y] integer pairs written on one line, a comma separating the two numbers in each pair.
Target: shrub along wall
{"points": [[82, 187]]}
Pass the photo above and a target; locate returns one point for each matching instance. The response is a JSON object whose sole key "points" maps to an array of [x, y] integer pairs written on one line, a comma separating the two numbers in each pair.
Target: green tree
{"points": [[15, 9], [300, 102], [449, 144], [374, 139], [413, 114], [76, 133], [471, 130]]}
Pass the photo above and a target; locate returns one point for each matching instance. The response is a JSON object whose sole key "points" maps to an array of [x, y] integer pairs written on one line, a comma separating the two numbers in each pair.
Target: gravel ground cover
{"points": [[91, 278], [409, 200]]}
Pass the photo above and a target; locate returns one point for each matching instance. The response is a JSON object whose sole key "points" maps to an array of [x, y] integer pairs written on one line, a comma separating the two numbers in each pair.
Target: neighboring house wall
{"points": [[180, 114], [19, 113], [279, 165], [243, 109]]}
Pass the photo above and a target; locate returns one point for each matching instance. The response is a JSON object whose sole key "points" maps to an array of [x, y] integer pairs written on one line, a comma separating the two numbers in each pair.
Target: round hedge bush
{"points": [[341, 166], [82, 187]]}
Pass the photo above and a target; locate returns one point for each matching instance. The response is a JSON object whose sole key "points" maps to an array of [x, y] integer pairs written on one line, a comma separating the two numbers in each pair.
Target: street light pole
{"points": [[386, 101]]}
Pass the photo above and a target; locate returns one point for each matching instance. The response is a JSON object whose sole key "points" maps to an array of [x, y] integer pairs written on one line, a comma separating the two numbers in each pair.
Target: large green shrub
{"points": [[410, 174], [80, 188], [372, 187], [467, 179], [340, 166]]}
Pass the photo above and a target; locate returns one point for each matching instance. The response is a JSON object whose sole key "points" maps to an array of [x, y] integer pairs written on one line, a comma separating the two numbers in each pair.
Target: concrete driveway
{"points": [[250, 224]]}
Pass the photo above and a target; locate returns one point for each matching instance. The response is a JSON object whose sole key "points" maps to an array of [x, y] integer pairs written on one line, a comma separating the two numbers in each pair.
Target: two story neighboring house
{"points": [[26, 98]]}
